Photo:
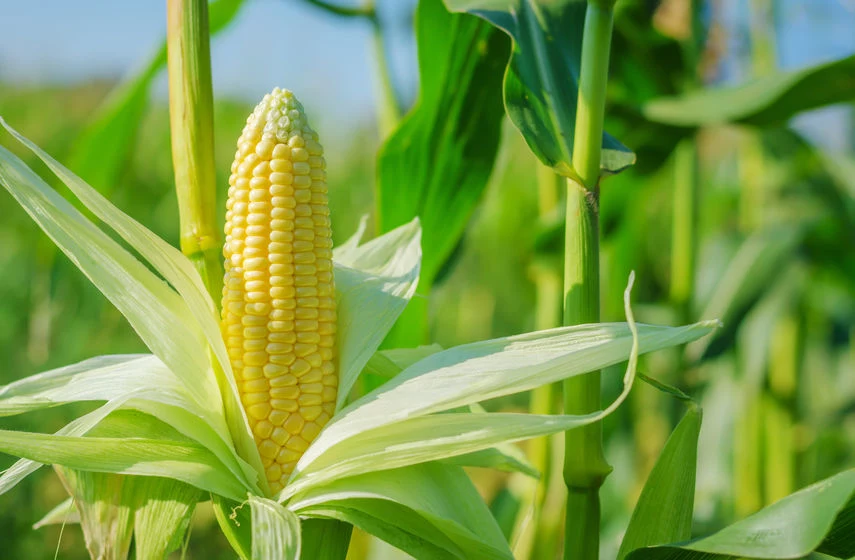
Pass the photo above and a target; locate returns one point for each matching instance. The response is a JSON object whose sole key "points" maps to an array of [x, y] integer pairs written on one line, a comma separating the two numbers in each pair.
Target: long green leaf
{"points": [[407, 507], [484, 370], [754, 266], [764, 101], [138, 381], [813, 519], [437, 163], [159, 451], [157, 313], [181, 274], [542, 80], [663, 513]]}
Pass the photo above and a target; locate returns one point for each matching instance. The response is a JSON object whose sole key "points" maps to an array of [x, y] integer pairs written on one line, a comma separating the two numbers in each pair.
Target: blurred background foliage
{"points": [[773, 220]]}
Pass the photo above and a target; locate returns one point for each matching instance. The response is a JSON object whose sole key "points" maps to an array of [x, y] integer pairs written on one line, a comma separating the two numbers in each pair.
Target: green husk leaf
{"points": [[135, 443], [164, 508], [325, 539], [113, 508], [181, 274], [105, 505], [542, 79], [235, 521], [275, 530], [374, 282], [159, 315], [663, 513], [429, 511], [437, 163], [813, 519], [394, 426], [764, 101], [504, 457], [484, 370], [78, 427], [139, 381], [389, 363], [65, 513]]}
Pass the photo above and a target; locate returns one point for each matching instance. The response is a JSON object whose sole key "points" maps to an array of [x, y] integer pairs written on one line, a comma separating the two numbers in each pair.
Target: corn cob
{"points": [[279, 316]]}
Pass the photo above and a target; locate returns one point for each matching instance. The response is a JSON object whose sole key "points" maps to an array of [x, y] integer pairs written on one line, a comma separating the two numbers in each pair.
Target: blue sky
{"points": [[326, 60]]}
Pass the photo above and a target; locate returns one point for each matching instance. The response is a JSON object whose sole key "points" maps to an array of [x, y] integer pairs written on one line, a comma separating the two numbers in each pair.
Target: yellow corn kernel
{"points": [[278, 307]]}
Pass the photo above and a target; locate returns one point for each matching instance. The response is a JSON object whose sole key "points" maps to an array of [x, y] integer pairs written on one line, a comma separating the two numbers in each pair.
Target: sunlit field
{"points": [[516, 279]]}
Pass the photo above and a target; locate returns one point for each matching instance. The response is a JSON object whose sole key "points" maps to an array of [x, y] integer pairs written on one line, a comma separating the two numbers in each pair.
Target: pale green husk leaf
{"points": [[429, 511], [65, 513], [275, 530], [396, 416], [374, 283]]}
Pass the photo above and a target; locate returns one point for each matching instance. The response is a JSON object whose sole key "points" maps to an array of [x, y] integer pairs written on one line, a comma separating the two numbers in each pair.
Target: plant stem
{"points": [[546, 273], [191, 116], [388, 110], [585, 466], [780, 420], [684, 226]]}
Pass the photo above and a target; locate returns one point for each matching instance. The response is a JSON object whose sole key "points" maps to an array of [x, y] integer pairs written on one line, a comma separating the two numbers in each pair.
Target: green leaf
{"points": [[504, 457], [765, 101], [164, 508], [542, 80], [754, 266], [817, 518], [374, 282], [138, 381], [112, 508], [389, 427], [484, 370], [102, 151], [325, 539], [158, 314], [429, 511], [275, 530], [437, 163], [181, 274], [106, 511], [138, 444], [63, 514], [663, 513], [235, 521], [78, 427]]}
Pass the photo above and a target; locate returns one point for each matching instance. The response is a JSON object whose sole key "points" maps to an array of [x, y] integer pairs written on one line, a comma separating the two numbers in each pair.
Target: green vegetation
{"points": [[530, 161]]}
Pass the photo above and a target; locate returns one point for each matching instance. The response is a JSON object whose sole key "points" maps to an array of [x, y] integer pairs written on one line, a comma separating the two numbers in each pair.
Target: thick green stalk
{"points": [[191, 112], [585, 466]]}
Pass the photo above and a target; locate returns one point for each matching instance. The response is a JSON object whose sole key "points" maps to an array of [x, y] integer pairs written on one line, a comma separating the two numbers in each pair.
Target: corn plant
{"points": [[274, 388]]}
